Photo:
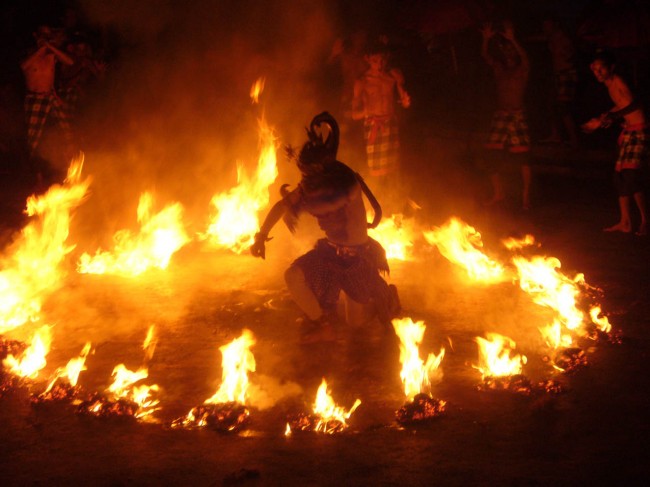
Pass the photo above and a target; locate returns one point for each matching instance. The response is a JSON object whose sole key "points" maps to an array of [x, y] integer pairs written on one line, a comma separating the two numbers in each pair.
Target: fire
{"points": [[461, 244], [149, 345], [396, 235], [161, 235], [495, 359], [548, 287], [32, 270], [554, 336], [416, 374], [32, 360], [236, 219], [518, 243], [257, 89], [72, 370], [237, 360], [225, 410], [602, 323], [331, 418]]}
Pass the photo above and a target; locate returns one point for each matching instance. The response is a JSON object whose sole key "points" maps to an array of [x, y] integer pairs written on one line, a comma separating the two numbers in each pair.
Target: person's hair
{"points": [[605, 57], [377, 48]]}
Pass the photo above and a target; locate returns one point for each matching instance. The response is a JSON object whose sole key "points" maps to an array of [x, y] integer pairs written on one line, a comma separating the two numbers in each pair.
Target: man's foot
{"points": [[643, 230], [315, 331], [494, 201], [619, 227]]}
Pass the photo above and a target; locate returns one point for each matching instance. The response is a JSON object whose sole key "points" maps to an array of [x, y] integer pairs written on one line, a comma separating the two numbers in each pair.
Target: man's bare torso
{"points": [[511, 87], [378, 93], [622, 97], [39, 71]]}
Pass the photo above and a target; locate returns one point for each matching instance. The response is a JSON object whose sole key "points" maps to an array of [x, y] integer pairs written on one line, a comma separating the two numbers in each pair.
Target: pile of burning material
{"points": [[63, 384], [422, 408], [26, 364], [327, 417], [417, 375], [123, 397], [550, 386], [570, 359], [500, 371], [225, 411], [11, 347]]}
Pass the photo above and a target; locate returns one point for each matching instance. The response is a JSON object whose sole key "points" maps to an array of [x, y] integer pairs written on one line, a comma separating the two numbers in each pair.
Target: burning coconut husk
{"points": [[422, 408], [499, 370], [63, 384], [100, 406], [225, 411], [569, 360], [326, 418], [417, 375]]}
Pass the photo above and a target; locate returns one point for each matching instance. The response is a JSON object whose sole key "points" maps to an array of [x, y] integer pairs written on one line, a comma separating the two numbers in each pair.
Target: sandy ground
{"points": [[596, 432]]}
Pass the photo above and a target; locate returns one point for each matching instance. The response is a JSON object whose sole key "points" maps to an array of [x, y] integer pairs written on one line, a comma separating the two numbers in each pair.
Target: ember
{"points": [[517, 383], [60, 392], [570, 359], [226, 417], [103, 407], [422, 408], [11, 347]]}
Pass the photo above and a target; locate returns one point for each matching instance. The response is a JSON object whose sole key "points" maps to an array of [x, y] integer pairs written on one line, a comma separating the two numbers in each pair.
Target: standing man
{"points": [[41, 99], [509, 137], [374, 102], [633, 142]]}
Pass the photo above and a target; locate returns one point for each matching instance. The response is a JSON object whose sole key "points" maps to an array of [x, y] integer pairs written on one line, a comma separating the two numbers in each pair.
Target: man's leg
{"points": [[639, 199], [302, 293], [624, 225]]}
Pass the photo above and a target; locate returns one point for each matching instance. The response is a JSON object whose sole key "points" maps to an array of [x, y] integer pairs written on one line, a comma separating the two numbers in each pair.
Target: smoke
{"points": [[174, 114]]}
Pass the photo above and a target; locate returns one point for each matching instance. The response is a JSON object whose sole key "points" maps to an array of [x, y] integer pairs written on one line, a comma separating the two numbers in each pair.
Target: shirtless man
{"points": [[509, 129], [41, 99], [374, 103], [633, 142], [347, 258]]}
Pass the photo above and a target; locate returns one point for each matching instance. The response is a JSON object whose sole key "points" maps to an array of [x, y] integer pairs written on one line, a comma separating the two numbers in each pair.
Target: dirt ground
{"points": [[595, 433]]}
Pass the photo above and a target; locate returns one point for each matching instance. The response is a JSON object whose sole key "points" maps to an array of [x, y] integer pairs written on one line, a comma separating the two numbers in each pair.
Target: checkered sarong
{"points": [[633, 147], [509, 130], [382, 144], [38, 107]]}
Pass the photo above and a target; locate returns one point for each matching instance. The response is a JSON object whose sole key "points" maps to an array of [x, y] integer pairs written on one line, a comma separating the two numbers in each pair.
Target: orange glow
{"points": [[161, 235], [32, 361], [32, 269], [236, 219], [416, 374], [462, 244], [396, 235], [237, 360], [326, 410], [494, 356]]}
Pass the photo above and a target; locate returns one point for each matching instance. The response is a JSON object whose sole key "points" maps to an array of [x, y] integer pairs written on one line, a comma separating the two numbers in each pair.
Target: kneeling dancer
{"points": [[347, 258]]}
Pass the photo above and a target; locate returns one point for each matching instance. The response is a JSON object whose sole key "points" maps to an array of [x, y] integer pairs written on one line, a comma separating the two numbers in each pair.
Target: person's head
{"points": [[43, 34], [377, 57], [602, 65], [505, 52]]}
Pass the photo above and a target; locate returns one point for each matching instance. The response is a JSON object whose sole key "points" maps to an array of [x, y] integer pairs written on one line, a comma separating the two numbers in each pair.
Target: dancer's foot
{"points": [[643, 230], [619, 227], [315, 331]]}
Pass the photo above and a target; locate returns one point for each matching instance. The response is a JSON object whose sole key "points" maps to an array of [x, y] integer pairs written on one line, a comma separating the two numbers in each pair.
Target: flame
{"points": [[123, 387], [257, 89], [237, 360], [33, 269], [416, 374], [396, 235], [554, 336], [602, 323], [236, 219], [513, 243], [494, 356], [32, 360], [149, 345], [548, 287], [72, 370], [287, 430], [327, 410], [461, 244], [160, 236]]}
